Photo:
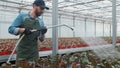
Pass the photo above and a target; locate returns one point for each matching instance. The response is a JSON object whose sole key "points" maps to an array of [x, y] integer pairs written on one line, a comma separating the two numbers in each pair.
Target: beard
{"points": [[38, 13]]}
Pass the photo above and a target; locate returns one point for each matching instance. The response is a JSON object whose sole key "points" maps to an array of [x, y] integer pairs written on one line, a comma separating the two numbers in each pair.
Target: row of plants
{"points": [[7, 45], [82, 59]]}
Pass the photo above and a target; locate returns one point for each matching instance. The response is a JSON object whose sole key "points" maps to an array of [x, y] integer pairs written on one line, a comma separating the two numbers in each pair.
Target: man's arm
{"points": [[14, 28], [43, 30]]}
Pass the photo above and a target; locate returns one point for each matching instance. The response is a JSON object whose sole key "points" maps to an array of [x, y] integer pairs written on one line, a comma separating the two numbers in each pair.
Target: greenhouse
{"points": [[61, 33]]}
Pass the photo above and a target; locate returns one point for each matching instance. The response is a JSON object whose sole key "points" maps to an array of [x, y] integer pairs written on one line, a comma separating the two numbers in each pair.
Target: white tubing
{"points": [[59, 26], [8, 61]]}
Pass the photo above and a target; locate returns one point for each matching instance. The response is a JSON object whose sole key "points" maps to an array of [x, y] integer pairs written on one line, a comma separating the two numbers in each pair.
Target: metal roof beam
{"points": [[96, 8], [78, 4], [15, 7], [12, 2]]}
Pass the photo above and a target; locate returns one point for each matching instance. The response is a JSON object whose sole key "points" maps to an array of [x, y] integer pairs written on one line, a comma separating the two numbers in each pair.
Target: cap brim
{"points": [[45, 7]]}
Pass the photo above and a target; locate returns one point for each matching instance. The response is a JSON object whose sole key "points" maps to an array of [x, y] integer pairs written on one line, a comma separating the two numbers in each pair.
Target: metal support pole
{"points": [[0, 29], [110, 30], [73, 25], [95, 28], [85, 27], [55, 30], [103, 28], [42, 16], [114, 24], [59, 27]]}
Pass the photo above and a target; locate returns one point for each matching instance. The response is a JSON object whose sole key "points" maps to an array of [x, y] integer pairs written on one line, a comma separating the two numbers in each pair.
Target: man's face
{"points": [[39, 11]]}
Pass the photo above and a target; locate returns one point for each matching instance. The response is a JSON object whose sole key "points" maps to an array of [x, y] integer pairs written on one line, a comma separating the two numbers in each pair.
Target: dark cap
{"points": [[40, 3]]}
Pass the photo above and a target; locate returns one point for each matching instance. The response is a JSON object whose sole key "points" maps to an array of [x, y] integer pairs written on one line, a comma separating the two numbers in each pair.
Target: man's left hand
{"points": [[43, 30]]}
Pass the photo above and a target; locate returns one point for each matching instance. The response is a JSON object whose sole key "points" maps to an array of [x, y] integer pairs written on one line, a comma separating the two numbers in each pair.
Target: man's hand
{"points": [[41, 37], [43, 30], [27, 31]]}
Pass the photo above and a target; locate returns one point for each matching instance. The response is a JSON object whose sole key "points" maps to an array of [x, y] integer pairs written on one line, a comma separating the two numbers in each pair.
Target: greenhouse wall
{"points": [[84, 27]]}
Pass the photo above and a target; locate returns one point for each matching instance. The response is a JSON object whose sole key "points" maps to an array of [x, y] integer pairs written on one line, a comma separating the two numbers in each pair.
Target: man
{"points": [[23, 24]]}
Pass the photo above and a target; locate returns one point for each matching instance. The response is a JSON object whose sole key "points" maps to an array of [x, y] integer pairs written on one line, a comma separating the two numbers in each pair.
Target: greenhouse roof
{"points": [[84, 8]]}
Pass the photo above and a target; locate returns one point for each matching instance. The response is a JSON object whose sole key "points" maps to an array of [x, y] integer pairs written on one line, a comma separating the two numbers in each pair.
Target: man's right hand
{"points": [[25, 31]]}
